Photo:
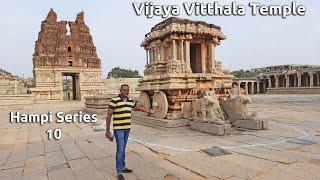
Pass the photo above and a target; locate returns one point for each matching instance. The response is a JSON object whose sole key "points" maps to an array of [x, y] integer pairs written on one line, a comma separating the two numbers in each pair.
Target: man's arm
{"points": [[143, 109], [108, 121]]}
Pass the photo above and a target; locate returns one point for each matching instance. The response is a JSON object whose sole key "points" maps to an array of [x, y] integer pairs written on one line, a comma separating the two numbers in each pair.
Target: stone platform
{"points": [[294, 90], [251, 124], [165, 124], [214, 129], [10, 101]]}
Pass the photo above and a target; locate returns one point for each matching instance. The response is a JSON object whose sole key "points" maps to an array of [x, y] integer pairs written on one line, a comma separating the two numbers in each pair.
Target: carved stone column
{"points": [[294, 80], [181, 50], [147, 59], [277, 81], [174, 49], [258, 87], [299, 79], [264, 86], [159, 49], [252, 87], [287, 80], [163, 54], [213, 54], [269, 82], [203, 58], [187, 56], [150, 57], [318, 80], [311, 79], [239, 88], [246, 88], [210, 59]]}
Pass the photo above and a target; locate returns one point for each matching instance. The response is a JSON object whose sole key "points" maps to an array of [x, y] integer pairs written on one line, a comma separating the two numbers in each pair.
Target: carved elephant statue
{"points": [[236, 109]]}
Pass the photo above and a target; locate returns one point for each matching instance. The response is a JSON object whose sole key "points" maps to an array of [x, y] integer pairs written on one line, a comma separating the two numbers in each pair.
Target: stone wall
{"points": [[112, 86], [12, 87], [7, 101]]}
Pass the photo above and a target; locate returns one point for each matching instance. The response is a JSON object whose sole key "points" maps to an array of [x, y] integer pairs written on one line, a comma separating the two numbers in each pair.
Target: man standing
{"points": [[121, 108]]}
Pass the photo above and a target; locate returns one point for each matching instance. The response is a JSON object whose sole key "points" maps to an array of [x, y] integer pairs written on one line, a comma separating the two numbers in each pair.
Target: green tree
{"points": [[241, 73], [118, 72]]}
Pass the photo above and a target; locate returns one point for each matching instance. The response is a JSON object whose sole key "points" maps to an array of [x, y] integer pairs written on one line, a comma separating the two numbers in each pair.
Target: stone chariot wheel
{"points": [[160, 103], [144, 100]]}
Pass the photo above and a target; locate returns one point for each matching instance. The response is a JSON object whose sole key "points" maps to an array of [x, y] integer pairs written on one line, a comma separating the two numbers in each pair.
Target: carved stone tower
{"points": [[61, 53]]}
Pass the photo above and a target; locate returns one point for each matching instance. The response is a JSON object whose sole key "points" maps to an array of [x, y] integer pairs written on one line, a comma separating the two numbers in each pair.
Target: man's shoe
{"points": [[120, 177], [126, 170]]}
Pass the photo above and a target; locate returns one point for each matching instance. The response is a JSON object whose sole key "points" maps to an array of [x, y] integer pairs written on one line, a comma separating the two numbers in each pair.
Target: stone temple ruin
{"points": [[62, 54], [184, 81], [281, 79]]}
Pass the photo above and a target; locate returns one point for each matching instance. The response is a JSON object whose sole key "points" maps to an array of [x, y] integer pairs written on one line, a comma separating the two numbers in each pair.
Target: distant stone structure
{"points": [[11, 85], [58, 53], [282, 79], [13, 91], [112, 85]]}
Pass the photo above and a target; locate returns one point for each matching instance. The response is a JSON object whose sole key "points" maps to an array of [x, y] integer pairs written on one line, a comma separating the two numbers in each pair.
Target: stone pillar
{"points": [[294, 80], [203, 57], [150, 57], [287, 80], [246, 88], [252, 88], [181, 50], [187, 56], [174, 49], [299, 79], [264, 86], [269, 82], [311, 79], [277, 81], [162, 54], [158, 54], [239, 88], [153, 56], [258, 87], [213, 55], [318, 80], [147, 59], [210, 59]]}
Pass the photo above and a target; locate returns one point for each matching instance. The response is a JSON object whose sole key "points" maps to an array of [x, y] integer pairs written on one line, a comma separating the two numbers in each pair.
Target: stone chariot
{"points": [[180, 61]]}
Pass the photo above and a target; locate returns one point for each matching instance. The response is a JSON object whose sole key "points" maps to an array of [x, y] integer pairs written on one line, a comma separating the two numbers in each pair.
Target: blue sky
{"points": [[117, 33]]}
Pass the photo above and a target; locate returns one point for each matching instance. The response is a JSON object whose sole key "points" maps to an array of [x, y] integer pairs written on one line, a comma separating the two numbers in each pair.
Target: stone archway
{"points": [[71, 86]]}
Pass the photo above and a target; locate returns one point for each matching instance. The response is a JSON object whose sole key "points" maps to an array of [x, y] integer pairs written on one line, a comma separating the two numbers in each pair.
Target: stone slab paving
{"points": [[26, 153]]}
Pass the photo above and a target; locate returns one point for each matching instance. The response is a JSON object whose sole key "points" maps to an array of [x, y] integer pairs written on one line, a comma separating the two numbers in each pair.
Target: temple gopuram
{"points": [[65, 55]]}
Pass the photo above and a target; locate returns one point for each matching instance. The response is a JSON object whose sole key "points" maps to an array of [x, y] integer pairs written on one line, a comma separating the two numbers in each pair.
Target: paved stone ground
{"points": [[26, 152]]}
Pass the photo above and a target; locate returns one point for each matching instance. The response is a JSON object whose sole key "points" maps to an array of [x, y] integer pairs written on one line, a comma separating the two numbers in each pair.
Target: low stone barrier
{"points": [[294, 90], [16, 100]]}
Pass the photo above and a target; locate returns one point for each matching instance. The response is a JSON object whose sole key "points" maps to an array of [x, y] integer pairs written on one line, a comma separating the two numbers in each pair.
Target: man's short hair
{"points": [[123, 85]]}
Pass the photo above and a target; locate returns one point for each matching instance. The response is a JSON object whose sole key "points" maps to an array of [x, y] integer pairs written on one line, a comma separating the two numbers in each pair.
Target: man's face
{"points": [[124, 91]]}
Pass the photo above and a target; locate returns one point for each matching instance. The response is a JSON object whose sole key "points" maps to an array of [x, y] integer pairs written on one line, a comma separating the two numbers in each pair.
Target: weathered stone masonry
{"points": [[281, 79], [58, 53]]}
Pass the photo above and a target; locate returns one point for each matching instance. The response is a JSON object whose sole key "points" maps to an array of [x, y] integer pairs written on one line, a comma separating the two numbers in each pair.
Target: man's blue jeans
{"points": [[121, 136]]}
